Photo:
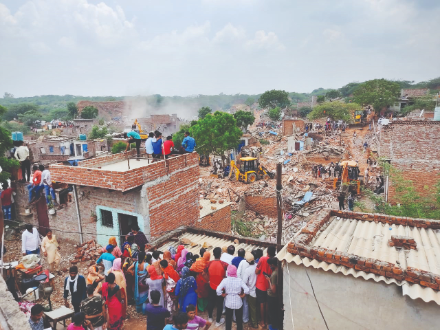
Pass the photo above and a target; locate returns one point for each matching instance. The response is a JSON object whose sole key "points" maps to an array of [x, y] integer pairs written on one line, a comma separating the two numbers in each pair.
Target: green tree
{"points": [[333, 94], [274, 114], [320, 99], [178, 136], [274, 98], [249, 101], [72, 109], [348, 89], [6, 164], [16, 109], [118, 147], [89, 112], [216, 133], [336, 110], [304, 111], [244, 118], [29, 117], [97, 132], [379, 93], [427, 103], [204, 111], [60, 113]]}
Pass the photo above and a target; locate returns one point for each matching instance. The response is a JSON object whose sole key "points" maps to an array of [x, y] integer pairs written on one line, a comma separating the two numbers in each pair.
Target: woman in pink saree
{"points": [[114, 302]]}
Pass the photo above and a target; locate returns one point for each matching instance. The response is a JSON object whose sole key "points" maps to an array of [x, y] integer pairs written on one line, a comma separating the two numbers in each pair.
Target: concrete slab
{"points": [[123, 165]]}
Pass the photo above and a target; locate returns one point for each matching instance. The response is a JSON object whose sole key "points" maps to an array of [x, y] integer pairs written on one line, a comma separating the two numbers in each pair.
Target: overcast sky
{"points": [[186, 47]]}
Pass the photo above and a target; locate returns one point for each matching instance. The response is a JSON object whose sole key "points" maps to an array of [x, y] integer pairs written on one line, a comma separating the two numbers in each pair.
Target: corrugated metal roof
{"points": [[370, 240], [213, 242]]}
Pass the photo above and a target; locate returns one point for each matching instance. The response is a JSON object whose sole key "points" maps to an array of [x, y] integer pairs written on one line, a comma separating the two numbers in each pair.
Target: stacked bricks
{"points": [[262, 205], [300, 246], [219, 220], [405, 242], [412, 147]]}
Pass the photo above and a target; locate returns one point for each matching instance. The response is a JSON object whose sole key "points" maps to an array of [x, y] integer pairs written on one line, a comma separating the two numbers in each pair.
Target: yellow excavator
{"points": [[141, 132], [250, 170]]}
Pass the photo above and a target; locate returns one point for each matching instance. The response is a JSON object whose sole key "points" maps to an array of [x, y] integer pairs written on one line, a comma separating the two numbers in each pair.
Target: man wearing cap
{"points": [[250, 279]]}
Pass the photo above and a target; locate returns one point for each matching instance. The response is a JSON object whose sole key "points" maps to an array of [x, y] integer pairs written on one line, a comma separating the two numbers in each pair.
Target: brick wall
{"points": [[167, 198], [217, 221], [262, 205], [413, 148], [288, 126]]}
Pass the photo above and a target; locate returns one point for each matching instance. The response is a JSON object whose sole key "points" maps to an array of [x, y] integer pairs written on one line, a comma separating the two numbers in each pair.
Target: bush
{"points": [[89, 112], [98, 133], [264, 142], [275, 114], [118, 147]]}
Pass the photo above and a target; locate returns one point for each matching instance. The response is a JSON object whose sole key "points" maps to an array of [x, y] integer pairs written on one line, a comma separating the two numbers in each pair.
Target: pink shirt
{"points": [[72, 326]]}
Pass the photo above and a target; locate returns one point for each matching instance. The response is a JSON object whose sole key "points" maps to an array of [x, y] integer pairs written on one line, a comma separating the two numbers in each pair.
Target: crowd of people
{"points": [[170, 288], [158, 148]]}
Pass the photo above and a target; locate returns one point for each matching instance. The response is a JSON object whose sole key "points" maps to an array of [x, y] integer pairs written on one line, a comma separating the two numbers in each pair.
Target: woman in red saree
{"points": [[114, 302]]}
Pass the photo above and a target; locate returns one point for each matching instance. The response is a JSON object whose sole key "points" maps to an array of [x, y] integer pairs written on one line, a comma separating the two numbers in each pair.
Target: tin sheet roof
{"points": [[198, 240], [370, 240]]}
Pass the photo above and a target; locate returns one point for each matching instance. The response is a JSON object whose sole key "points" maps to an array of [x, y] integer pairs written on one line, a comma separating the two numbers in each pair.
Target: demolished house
{"points": [[347, 270]]}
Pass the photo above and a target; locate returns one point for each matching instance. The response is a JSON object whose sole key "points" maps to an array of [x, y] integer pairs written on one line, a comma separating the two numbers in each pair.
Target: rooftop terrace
{"points": [[121, 172]]}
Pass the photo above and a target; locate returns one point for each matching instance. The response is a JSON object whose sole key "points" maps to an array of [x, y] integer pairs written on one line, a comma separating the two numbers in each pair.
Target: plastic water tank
{"points": [[17, 136], [437, 114], [83, 137]]}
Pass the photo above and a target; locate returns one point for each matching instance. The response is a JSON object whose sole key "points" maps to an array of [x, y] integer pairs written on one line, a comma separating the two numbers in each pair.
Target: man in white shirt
{"points": [[149, 145], [46, 182], [229, 255], [30, 241], [22, 155], [250, 279]]}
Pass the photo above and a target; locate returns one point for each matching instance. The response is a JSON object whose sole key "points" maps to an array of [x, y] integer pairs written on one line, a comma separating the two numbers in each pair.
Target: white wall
{"points": [[351, 303]]}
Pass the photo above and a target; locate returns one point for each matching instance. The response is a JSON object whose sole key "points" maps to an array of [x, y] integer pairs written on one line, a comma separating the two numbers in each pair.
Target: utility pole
{"points": [[279, 206]]}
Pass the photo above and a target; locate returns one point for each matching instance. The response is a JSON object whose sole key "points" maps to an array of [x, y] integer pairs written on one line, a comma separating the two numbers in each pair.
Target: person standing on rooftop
{"points": [[149, 145], [134, 136], [188, 143], [22, 155]]}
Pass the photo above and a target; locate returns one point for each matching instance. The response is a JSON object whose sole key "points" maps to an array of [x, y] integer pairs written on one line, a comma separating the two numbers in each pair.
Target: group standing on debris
{"points": [[174, 283]]}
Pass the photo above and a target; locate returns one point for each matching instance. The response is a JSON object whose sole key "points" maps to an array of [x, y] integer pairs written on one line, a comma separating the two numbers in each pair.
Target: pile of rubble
{"points": [[89, 251]]}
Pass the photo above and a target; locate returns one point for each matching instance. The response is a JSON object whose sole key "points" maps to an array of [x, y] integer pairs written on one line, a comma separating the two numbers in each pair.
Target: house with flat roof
{"points": [[106, 196], [348, 270]]}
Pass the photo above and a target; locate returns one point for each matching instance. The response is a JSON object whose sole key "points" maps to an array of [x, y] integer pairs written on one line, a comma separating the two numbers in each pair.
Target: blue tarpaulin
{"points": [[307, 197], [273, 133], [286, 161]]}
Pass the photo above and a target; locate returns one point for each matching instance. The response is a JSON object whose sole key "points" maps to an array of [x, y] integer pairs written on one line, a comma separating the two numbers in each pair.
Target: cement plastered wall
{"points": [[105, 231], [351, 303], [11, 317]]}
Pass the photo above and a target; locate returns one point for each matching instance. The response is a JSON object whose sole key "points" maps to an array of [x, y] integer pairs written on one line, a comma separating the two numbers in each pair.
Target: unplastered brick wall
{"points": [[219, 220], [412, 147], [89, 173], [262, 205], [167, 198], [300, 246], [288, 126]]}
